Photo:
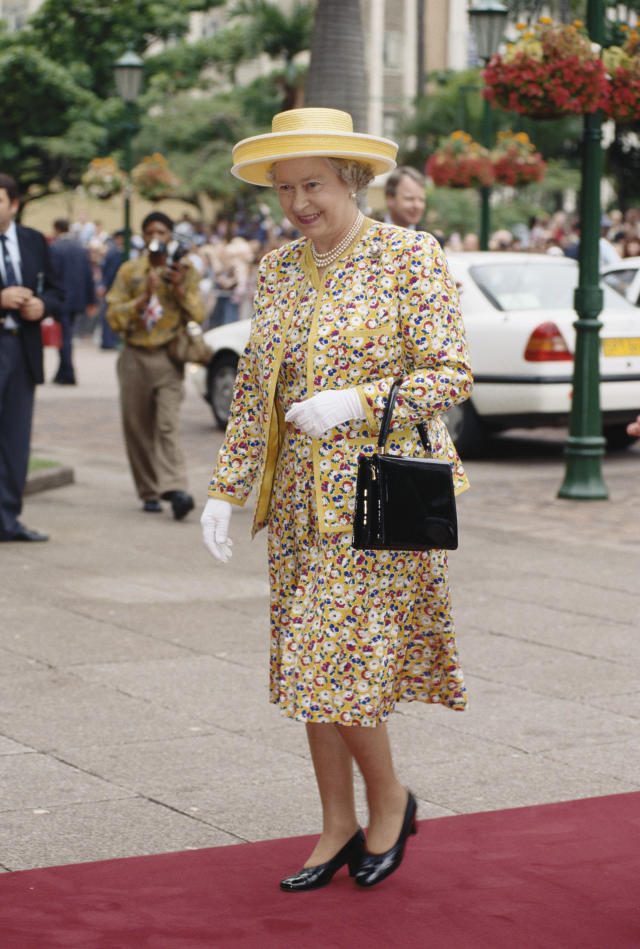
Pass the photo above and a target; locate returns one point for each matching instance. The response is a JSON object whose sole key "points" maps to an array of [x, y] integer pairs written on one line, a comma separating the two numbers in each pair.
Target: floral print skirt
{"points": [[352, 632]]}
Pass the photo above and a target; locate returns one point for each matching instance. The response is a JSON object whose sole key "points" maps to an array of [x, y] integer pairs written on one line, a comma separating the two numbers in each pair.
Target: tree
{"points": [[88, 37], [337, 73], [57, 84], [280, 35], [50, 123]]}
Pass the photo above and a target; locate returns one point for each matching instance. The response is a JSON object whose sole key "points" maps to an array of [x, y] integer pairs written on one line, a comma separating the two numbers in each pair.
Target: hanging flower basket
{"points": [[516, 161], [459, 162], [154, 179], [552, 70], [103, 178], [622, 63]]}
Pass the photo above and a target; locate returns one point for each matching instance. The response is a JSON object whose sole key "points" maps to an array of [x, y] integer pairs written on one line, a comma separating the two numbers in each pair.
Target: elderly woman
{"points": [[339, 315]]}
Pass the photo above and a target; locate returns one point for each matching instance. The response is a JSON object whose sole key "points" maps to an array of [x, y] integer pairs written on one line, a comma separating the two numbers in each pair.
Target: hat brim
{"points": [[254, 157]]}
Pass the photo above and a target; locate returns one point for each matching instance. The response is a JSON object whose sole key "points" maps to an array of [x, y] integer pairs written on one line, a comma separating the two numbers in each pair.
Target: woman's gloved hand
{"points": [[215, 524], [322, 411]]}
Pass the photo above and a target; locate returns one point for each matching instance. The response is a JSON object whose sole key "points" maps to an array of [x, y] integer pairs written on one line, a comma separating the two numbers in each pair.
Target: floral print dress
{"points": [[352, 632]]}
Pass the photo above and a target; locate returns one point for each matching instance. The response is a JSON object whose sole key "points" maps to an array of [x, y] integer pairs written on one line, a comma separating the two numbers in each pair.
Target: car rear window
{"points": [[535, 286]]}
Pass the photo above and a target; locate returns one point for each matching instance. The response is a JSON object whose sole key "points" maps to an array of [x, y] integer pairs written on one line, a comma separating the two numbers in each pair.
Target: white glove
{"points": [[322, 411], [215, 524]]}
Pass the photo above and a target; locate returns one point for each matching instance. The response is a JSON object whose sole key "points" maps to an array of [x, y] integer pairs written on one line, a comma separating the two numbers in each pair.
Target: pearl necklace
{"points": [[323, 260]]}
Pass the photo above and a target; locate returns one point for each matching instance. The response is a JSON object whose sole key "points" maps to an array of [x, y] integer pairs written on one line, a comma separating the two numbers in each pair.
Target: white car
{"points": [[624, 276], [519, 313]]}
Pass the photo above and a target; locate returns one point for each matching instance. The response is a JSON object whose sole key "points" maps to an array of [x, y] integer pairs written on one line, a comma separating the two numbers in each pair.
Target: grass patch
{"points": [[37, 464]]}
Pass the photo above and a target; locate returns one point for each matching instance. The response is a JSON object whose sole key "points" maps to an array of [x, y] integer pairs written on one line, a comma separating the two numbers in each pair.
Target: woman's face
{"points": [[314, 199]]}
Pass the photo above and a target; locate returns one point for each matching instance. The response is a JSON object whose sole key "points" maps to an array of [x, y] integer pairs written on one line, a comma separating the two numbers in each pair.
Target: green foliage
{"points": [[273, 31], [96, 34], [454, 101], [49, 123], [196, 136]]}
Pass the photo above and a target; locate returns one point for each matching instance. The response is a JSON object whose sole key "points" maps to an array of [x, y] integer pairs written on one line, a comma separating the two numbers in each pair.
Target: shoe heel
{"points": [[354, 865], [414, 827]]}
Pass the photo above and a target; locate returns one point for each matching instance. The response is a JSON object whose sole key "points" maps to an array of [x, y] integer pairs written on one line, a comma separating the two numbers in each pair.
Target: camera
{"points": [[174, 251]]}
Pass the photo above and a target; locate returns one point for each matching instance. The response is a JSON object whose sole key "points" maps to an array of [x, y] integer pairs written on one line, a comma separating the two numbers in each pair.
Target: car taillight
{"points": [[546, 344]]}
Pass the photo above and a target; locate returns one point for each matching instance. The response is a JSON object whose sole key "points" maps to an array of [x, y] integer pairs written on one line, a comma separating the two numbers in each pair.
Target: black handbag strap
{"points": [[386, 420]]}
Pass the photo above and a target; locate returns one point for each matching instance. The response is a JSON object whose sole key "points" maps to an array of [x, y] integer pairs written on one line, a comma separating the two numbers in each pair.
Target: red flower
{"points": [[459, 162], [550, 71]]}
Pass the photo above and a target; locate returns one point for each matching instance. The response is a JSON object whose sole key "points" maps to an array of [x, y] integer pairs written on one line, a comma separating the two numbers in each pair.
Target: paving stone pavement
{"points": [[134, 716]]}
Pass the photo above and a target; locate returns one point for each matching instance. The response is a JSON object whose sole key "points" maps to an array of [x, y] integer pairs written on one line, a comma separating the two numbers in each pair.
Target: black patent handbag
{"points": [[403, 503]]}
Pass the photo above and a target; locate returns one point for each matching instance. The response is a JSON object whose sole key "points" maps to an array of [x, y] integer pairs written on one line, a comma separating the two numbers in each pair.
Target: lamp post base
{"points": [[583, 477]]}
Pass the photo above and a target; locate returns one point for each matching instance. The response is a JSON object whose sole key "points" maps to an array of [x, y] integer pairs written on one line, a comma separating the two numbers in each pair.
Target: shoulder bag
{"points": [[403, 503], [188, 345]]}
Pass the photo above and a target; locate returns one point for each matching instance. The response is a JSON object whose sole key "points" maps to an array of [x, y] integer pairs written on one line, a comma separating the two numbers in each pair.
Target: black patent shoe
{"points": [[312, 878], [375, 867]]}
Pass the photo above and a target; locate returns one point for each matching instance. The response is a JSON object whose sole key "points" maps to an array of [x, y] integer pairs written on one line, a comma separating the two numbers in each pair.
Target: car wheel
{"points": [[222, 376], [466, 429], [617, 437]]}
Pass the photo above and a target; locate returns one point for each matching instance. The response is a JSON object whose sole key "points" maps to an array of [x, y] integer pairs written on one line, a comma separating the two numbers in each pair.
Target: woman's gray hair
{"points": [[355, 174]]}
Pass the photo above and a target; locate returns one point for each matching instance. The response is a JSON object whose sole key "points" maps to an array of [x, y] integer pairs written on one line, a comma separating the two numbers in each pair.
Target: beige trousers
{"points": [[151, 392]]}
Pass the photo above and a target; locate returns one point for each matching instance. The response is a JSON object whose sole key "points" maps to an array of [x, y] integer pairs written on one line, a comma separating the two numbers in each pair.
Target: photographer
{"points": [[149, 300]]}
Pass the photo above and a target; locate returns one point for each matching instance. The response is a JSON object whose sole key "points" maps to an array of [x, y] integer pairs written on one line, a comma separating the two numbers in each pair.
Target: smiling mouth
{"points": [[309, 219]]}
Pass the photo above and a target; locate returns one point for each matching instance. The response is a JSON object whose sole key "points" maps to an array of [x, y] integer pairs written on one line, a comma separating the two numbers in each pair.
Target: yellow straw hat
{"points": [[310, 132]]}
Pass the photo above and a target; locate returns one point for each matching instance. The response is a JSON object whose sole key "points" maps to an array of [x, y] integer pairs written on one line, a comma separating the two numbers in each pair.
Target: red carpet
{"points": [[559, 876]]}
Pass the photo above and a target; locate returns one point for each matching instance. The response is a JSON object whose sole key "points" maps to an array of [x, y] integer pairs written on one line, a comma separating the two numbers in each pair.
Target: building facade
{"points": [[405, 40]]}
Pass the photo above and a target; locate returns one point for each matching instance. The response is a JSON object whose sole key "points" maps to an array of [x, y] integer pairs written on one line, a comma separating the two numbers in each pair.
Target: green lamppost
{"points": [[585, 445], [487, 21], [128, 76]]}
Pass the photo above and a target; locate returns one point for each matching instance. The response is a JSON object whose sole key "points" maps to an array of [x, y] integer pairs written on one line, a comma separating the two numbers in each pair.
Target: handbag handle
{"points": [[385, 425]]}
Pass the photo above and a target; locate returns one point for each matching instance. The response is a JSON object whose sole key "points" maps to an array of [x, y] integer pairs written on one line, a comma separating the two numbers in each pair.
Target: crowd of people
{"points": [[227, 252]]}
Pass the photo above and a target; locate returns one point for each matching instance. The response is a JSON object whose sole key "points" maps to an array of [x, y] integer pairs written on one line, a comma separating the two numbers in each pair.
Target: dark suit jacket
{"points": [[73, 273], [38, 274]]}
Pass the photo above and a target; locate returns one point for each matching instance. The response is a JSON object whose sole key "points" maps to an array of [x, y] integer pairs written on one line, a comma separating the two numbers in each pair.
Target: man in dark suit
{"points": [[74, 275], [28, 291], [110, 267]]}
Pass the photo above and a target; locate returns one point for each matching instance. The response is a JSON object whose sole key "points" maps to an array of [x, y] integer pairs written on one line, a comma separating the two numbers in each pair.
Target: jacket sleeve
{"points": [[436, 363], [52, 294], [121, 306]]}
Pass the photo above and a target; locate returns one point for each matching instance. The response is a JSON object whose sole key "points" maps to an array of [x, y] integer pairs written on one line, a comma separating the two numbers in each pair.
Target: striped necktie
{"points": [[10, 275]]}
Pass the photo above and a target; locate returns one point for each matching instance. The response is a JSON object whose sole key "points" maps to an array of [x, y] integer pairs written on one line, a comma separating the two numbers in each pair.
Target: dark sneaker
{"points": [[152, 506]]}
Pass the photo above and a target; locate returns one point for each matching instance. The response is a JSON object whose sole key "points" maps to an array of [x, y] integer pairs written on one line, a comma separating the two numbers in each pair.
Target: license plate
{"points": [[621, 347]]}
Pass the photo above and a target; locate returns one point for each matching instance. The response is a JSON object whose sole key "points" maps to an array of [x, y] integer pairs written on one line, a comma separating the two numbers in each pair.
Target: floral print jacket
{"points": [[387, 309]]}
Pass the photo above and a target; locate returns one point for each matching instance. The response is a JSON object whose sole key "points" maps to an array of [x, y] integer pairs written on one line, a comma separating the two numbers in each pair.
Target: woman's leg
{"points": [[333, 766], [386, 796]]}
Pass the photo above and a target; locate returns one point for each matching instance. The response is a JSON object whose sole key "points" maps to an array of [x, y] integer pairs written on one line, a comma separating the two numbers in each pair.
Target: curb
{"points": [[47, 478]]}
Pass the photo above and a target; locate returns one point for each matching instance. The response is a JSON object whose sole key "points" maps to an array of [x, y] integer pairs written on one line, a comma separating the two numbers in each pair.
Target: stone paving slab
{"points": [[104, 830], [33, 781]]}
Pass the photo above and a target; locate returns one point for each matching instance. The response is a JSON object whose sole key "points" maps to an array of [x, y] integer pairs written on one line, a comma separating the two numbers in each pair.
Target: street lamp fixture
{"points": [[128, 76], [487, 21]]}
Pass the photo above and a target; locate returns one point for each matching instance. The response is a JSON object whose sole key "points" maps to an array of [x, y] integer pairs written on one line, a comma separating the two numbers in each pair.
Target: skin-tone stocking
{"points": [[333, 765], [386, 796], [333, 748]]}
